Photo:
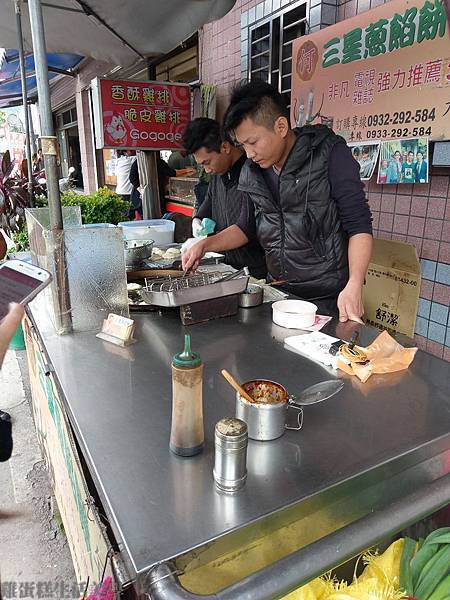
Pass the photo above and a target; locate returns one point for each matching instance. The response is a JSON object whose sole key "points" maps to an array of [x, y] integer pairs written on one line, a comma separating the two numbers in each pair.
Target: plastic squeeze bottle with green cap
{"points": [[187, 435]]}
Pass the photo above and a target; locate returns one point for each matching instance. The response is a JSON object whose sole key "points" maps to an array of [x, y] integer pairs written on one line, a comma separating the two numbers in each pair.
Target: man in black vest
{"points": [[231, 209], [312, 217]]}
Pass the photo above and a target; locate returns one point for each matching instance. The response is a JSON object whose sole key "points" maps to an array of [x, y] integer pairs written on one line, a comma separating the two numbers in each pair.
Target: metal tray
{"points": [[210, 258], [195, 294]]}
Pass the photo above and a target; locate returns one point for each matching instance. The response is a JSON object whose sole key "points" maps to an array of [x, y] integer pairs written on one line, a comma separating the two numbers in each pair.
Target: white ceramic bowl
{"points": [[294, 314]]}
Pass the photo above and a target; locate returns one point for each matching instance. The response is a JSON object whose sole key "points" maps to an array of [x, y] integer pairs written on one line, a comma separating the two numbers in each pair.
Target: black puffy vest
{"points": [[226, 209], [302, 235]]}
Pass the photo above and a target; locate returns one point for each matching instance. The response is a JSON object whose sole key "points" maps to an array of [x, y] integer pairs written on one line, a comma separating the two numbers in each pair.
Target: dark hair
{"points": [[258, 100], [202, 133]]}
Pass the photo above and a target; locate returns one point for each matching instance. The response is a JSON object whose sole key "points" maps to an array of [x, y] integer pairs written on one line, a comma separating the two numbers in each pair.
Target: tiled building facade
{"points": [[417, 214]]}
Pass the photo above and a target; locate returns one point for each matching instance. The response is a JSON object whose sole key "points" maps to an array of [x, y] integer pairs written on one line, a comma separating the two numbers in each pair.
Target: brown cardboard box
{"points": [[391, 290]]}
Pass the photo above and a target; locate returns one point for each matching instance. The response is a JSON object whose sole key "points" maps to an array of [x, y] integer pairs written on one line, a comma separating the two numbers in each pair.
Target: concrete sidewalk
{"points": [[35, 560]]}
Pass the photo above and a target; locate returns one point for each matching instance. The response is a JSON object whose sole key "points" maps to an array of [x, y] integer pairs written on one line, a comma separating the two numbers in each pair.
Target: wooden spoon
{"points": [[236, 386]]}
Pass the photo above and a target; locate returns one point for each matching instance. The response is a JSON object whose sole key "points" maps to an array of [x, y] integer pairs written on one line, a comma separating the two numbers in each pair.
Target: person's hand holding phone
{"points": [[8, 327]]}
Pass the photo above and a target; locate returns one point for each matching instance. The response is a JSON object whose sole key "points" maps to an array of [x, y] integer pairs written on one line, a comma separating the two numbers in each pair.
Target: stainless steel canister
{"points": [[230, 464], [266, 420]]}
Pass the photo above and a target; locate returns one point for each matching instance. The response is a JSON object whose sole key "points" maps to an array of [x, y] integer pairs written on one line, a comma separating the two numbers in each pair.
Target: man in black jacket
{"points": [[312, 217], [164, 171], [231, 209]]}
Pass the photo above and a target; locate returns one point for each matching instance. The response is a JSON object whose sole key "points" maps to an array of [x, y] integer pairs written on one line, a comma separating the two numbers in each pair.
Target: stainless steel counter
{"points": [[371, 442]]}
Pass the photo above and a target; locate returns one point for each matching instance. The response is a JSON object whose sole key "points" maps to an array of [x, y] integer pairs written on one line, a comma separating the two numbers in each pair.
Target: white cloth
{"points": [[123, 167], [196, 228]]}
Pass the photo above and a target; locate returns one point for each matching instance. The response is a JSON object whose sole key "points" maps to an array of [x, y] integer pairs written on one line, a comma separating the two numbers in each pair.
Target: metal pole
{"points": [[49, 150], [48, 138], [33, 140], [24, 99]]}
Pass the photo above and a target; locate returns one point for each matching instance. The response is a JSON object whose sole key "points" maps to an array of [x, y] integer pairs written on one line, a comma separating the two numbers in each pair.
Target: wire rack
{"points": [[179, 290], [176, 284]]}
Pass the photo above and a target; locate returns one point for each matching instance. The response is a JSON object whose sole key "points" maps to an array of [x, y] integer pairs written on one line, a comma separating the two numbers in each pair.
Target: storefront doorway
{"points": [[69, 144]]}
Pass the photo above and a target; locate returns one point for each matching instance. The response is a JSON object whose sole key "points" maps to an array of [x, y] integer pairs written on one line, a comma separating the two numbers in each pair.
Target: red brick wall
{"points": [[220, 52]]}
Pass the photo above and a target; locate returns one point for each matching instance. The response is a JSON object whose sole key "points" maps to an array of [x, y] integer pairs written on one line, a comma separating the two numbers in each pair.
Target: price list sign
{"points": [[382, 75]]}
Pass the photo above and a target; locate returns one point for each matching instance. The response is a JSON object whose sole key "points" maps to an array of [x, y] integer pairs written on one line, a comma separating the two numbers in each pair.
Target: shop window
{"points": [[183, 67], [270, 47], [67, 118]]}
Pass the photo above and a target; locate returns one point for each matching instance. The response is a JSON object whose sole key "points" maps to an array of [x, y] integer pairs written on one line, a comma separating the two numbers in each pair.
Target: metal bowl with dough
{"points": [[136, 251]]}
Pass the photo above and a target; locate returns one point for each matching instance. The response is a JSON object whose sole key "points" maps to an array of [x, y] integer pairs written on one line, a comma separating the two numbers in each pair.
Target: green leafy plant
{"points": [[20, 239], [425, 574], [104, 206], [40, 201]]}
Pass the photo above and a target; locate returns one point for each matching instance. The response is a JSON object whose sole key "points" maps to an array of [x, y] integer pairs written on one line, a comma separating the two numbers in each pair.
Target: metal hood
{"points": [[115, 31]]}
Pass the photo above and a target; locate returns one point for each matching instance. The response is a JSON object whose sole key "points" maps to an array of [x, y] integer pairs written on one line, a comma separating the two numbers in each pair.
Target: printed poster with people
{"points": [[366, 155], [382, 75], [403, 161]]}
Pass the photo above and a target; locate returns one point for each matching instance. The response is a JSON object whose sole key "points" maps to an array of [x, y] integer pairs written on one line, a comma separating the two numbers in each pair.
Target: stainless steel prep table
{"points": [[363, 448]]}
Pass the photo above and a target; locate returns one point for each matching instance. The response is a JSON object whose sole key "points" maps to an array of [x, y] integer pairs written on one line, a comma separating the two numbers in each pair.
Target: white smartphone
{"points": [[20, 282]]}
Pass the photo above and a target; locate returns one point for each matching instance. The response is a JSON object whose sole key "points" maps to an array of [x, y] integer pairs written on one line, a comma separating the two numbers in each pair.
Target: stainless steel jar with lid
{"points": [[230, 463]]}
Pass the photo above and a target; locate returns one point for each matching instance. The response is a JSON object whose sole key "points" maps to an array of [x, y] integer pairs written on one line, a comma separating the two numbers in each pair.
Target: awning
{"points": [[10, 84], [116, 31]]}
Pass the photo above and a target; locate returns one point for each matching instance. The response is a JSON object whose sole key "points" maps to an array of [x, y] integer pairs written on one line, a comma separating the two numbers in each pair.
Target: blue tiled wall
{"points": [[433, 318]]}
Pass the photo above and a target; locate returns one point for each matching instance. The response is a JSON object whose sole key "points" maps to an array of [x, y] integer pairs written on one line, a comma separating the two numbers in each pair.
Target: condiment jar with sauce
{"points": [[187, 435]]}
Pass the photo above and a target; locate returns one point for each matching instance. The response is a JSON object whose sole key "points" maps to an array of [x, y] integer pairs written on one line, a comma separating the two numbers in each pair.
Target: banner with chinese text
{"points": [[140, 115], [384, 74]]}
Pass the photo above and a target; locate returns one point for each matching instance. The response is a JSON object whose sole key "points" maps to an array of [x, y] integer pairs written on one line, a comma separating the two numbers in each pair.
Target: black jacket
{"points": [[301, 233], [227, 206], [6, 442], [164, 171]]}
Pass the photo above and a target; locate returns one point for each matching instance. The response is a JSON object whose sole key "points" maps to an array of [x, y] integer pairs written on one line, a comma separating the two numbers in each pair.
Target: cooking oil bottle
{"points": [[187, 435]]}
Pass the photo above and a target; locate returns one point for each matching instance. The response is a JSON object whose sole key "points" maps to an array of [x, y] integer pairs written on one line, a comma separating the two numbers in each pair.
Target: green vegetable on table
{"points": [[425, 573]]}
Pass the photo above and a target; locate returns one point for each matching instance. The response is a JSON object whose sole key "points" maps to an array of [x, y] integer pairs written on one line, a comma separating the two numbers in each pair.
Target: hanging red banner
{"points": [[140, 115]]}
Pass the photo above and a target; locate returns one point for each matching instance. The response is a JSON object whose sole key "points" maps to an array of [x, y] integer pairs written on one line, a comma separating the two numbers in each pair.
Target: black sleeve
{"points": [[347, 190], [134, 175], [246, 221], [6, 442], [164, 170], [205, 210]]}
